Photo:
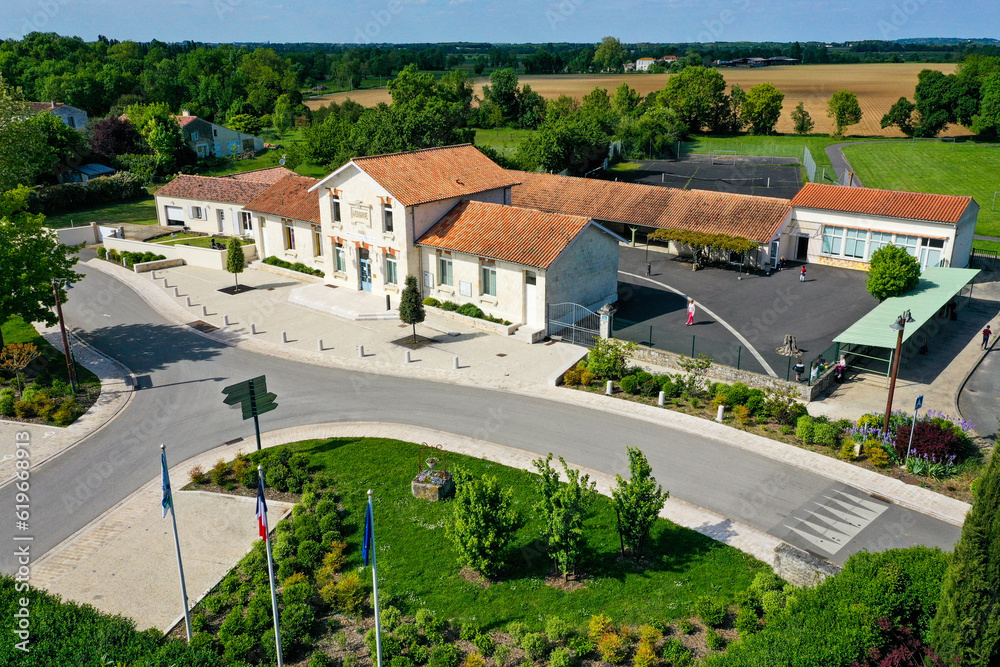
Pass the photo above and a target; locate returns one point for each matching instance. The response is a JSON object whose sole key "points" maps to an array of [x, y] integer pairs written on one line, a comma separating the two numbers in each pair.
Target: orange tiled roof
{"points": [[885, 203], [432, 174], [289, 198], [184, 120], [747, 216], [269, 175], [38, 107], [213, 189], [507, 233]]}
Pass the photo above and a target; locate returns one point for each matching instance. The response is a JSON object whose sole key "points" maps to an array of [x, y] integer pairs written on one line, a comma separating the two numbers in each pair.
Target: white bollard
{"points": [[152, 274], [225, 320], [609, 391], [187, 301], [407, 357], [456, 363], [177, 292], [204, 311], [719, 415], [253, 329], [284, 337], [319, 344], [659, 399], [361, 351]]}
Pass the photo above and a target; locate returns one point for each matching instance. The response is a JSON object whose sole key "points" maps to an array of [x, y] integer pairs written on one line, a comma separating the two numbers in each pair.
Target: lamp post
{"points": [[70, 371], [898, 326]]}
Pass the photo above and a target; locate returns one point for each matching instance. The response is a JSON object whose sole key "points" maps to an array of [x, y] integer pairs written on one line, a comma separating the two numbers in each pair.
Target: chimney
{"points": [[185, 112], [53, 103]]}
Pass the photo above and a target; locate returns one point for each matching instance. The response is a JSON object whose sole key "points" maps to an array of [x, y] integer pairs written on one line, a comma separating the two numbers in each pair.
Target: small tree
{"points": [[638, 501], [761, 108], [892, 271], [844, 109], [802, 122], [235, 260], [411, 306], [483, 523], [15, 357], [608, 360], [282, 116], [564, 507], [967, 625], [695, 370]]}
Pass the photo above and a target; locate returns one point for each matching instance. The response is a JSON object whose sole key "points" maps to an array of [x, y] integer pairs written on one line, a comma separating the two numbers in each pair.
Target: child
{"points": [[799, 368], [986, 336], [802, 274], [690, 320]]}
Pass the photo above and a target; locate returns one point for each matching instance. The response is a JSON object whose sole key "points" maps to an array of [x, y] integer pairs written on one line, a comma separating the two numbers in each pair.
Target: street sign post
{"points": [[254, 399], [913, 426]]}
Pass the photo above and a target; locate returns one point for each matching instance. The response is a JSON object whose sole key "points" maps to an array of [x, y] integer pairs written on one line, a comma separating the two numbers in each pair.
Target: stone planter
{"points": [[432, 485]]}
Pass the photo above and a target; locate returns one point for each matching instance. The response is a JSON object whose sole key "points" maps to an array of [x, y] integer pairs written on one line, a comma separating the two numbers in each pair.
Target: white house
{"points": [[215, 204], [288, 224], [643, 64], [73, 117], [209, 139], [843, 226]]}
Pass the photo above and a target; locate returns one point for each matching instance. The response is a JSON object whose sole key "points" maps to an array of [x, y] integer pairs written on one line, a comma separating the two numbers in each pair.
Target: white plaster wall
{"points": [[587, 271], [509, 301], [964, 233], [210, 225]]}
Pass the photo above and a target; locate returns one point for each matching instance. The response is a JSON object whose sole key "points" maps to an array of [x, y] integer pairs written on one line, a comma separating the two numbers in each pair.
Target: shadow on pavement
{"points": [[145, 348]]}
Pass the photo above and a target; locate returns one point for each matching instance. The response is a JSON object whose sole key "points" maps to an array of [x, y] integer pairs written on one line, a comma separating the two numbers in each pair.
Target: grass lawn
{"points": [[268, 159], [16, 330], [418, 568], [503, 139], [137, 212], [986, 245], [198, 241], [966, 168], [784, 145]]}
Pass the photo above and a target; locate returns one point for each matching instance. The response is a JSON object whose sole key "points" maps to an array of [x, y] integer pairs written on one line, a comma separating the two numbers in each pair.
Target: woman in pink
{"points": [[690, 312]]}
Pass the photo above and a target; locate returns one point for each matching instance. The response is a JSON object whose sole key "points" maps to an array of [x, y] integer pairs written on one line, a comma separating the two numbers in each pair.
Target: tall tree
{"points": [[502, 93], [564, 507], [761, 108], [967, 625], [282, 116], [802, 122], [638, 501], [20, 141], [483, 523], [610, 55], [698, 94], [844, 109], [625, 100], [32, 259], [411, 306], [900, 115]]}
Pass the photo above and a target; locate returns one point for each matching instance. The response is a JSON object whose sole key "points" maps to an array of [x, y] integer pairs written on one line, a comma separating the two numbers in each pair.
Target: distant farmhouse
{"points": [[209, 139], [643, 64], [757, 62], [514, 243], [73, 117]]}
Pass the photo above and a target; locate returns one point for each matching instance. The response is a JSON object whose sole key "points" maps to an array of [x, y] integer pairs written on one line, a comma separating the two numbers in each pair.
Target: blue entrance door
{"points": [[366, 272]]}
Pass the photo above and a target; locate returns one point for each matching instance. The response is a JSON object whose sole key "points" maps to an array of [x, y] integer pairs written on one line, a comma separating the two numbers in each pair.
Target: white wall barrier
{"points": [[203, 257]]}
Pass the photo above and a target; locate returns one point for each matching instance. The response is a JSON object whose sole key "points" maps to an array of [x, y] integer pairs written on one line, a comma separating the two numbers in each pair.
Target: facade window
{"points": [[489, 281], [317, 241], [391, 271], [387, 217], [195, 136], [879, 240], [854, 246], [833, 239], [288, 231], [907, 242], [198, 213], [446, 274], [341, 261], [246, 221], [71, 122], [215, 133], [336, 210]]}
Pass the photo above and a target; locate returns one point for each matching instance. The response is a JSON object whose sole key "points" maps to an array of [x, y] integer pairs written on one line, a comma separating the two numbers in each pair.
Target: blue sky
{"points": [[376, 21]]}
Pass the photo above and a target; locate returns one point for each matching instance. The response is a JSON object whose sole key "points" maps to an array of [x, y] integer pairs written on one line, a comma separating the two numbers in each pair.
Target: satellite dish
{"points": [[282, 160]]}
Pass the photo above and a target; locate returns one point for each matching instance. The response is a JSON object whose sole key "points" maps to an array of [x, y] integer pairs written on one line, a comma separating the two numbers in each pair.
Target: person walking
{"points": [[649, 269], [986, 336], [781, 264], [802, 274], [799, 369], [691, 309]]}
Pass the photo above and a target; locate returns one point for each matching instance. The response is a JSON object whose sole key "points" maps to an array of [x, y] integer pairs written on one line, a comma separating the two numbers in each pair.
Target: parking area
{"points": [[760, 308], [747, 175]]}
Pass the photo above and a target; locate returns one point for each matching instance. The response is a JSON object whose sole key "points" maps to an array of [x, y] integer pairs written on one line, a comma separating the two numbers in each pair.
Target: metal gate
{"points": [[986, 260], [573, 323]]}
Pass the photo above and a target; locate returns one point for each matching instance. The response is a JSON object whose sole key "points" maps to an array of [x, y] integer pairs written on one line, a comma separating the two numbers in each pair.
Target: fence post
{"points": [[788, 373], [692, 346], [651, 335], [739, 352]]}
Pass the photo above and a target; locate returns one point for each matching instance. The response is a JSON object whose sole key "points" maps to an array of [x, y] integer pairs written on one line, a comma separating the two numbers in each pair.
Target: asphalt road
{"points": [[181, 406], [979, 402]]}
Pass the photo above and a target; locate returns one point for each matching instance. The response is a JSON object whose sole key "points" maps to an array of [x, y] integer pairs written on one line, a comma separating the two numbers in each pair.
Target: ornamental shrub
{"points": [[711, 612], [599, 626], [449, 305], [805, 429], [470, 310], [571, 378], [474, 660], [875, 453], [445, 655], [931, 440], [609, 358], [826, 434], [756, 403], [345, 594], [7, 402], [484, 643], [714, 641], [534, 644], [483, 523], [560, 657], [297, 593], [297, 620], [308, 554], [676, 654], [102, 252], [630, 384], [557, 629], [469, 630], [772, 601], [746, 622], [431, 301], [586, 378], [391, 617], [612, 648], [645, 655]]}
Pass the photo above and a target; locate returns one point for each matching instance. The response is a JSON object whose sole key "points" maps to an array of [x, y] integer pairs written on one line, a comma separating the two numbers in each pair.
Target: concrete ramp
{"points": [[344, 302]]}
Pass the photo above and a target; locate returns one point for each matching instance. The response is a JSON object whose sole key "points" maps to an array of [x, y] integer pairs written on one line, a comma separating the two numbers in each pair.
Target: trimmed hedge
{"points": [[69, 197], [294, 266]]}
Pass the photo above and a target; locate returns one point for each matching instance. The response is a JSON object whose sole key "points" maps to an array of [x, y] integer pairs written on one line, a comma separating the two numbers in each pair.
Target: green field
{"points": [[418, 567], [138, 212], [197, 241], [966, 168]]}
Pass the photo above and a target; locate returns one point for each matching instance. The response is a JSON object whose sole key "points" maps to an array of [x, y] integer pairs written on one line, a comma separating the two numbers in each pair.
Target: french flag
{"points": [[261, 511]]}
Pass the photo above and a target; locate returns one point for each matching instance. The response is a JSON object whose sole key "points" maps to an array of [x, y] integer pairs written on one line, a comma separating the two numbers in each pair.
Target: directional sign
{"points": [[919, 403], [242, 391], [254, 399]]}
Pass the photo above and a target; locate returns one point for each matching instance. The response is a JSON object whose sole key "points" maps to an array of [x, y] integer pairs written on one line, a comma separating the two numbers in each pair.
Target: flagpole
{"points": [[378, 619], [177, 544], [270, 576]]}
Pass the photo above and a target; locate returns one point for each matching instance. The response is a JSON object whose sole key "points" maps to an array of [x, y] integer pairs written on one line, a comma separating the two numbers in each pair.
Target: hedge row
{"points": [[467, 309], [294, 266], [127, 257], [68, 197]]}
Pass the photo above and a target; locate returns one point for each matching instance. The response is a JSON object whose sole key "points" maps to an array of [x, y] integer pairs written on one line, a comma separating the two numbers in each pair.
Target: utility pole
{"points": [[62, 327], [899, 326]]}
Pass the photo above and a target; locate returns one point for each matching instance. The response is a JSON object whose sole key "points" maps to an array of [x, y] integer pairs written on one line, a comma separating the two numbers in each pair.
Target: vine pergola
{"points": [[702, 243]]}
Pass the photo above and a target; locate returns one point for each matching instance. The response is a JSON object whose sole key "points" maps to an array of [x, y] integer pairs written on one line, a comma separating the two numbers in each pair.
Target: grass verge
{"points": [[418, 567], [136, 212], [16, 330]]}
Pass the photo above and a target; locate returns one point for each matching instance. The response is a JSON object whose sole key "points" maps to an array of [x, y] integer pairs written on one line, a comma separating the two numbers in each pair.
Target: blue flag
{"points": [[168, 499], [368, 546]]}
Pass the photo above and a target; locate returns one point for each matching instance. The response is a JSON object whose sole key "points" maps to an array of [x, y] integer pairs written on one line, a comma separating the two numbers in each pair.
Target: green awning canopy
{"points": [[936, 287]]}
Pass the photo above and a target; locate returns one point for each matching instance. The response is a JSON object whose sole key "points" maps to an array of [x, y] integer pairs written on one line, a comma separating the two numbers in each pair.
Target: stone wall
{"points": [[840, 263], [801, 568], [729, 375]]}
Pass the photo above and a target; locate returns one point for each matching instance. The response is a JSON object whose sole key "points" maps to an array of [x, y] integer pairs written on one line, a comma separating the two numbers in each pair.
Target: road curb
{"points": [[968, 376]]}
